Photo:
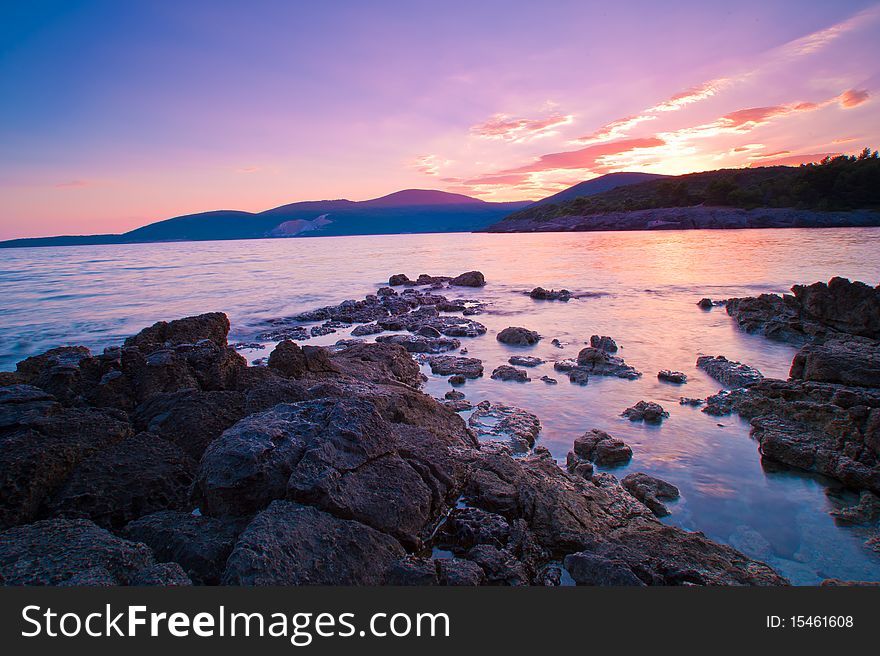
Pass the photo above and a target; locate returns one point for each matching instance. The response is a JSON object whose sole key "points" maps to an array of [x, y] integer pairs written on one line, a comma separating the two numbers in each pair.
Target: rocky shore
{"points": [[168, 460], [825, 417]]}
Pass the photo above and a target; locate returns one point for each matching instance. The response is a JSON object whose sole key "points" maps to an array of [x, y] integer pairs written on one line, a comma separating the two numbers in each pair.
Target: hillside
{"points": [[840, 184], [598, 185], [407, 211]]}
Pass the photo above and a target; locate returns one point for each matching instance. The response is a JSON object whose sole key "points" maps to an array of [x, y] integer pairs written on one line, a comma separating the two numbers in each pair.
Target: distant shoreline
{"points": [[690, 218]]}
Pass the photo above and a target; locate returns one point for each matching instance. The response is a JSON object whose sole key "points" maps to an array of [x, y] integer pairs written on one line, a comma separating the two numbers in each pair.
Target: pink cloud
{"points": [[853, 98], [585, 158], [506, 128]]}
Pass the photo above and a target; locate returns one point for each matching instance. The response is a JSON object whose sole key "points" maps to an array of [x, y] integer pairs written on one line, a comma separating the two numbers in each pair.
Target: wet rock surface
{"points": [[499, 422], [506, 372], [599, 447], [816, 310], [648, 411], [728, 372], [603, 343], [421, 343], [675, 377], [518, 336], [525, 361], [598, 362], [450, 365], [541, 294], [651, 491]]}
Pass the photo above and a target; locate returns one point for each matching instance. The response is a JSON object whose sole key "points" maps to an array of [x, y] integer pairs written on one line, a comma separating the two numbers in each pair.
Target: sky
{"points": [[117, 114]]}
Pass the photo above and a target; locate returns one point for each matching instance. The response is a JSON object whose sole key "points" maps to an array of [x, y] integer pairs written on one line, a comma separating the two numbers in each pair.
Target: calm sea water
{"points": [[649, 284]]}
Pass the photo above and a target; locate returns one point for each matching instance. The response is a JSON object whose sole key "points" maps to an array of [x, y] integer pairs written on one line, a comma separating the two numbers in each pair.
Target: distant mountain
{"points": [[598, 185], [843, 191], [407, 211]]}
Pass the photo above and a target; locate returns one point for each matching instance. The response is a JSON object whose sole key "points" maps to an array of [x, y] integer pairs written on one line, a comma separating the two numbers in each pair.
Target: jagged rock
{"points": [[601, 448], [496, 421], [139, 475], [549, 380], [650, 491], [459, 405], [292, 544], [190, 418], [213, 326], [865, 513], [467, 527], [601, 363], [647, 411], [59, 551], [398, 279], [541, 294], [578, 465], [506, 372], [337, 454], [421, 343], [446, 365], [41, 447], [518, 336], [847, 360], [200, 545], [727, 372], [459, 572], [378, 363], [686, 400], [589, 569], [412, 570], [457, 379], [603, 343], [676, 377], [453, 395], [579, 376], [365, 329], [816, 310], [469, 279], [293, 361], [525, 361]]}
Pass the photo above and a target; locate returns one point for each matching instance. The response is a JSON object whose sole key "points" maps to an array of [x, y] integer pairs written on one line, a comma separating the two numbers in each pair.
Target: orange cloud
{"points": [[506, 128], [428, 164], [853, 98], [585, 158]]}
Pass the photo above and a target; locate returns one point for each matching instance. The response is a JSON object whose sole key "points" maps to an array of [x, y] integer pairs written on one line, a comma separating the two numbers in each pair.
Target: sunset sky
{"points": [[117, 114]]}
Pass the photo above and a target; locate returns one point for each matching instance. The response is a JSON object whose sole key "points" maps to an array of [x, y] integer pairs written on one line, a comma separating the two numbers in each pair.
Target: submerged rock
{"points": [[541, 294], [728, 372], [650, 491], [525, 361], [549, 380], [865, 513], [517, 336], [499, 422], [676, 377], [506, 372], [647, 411]]}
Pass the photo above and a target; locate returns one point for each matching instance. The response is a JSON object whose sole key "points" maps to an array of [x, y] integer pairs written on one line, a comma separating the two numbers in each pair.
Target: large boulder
{"points": [[71, 552], [847, 307], [292, 544], [42, 445], [213, 326], [648, 411], [469, 279], [338, 454], [137, 476], [651, 491], [190, 418], [292, 361], [601, 448], [451, 365], [199, 544], [378, 363]]}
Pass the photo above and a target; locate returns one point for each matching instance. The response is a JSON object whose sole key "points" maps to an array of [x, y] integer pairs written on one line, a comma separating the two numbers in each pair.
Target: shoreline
{"points": [[341, 441]]}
